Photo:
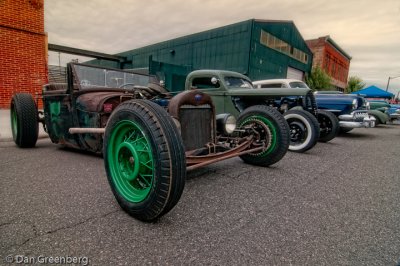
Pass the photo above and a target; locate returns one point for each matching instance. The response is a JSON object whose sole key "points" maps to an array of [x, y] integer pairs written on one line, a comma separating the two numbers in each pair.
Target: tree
{"points": [[318, 79], [354, 84]]}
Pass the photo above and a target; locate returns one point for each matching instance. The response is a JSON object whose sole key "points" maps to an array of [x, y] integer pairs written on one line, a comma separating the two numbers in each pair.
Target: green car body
{"points": [[233, 93], [234, 98], [379, 110]]}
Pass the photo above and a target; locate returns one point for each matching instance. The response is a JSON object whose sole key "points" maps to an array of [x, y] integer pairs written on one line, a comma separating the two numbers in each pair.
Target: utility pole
{"points": [[387, 86]]}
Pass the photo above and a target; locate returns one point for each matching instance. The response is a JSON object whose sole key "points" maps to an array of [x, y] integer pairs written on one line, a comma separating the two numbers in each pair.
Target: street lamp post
{"points": [[387, 86]]}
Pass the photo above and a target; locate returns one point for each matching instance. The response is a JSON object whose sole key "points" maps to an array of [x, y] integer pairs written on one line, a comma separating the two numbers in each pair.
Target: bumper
{"points": [[394, 116], [356, 120]]}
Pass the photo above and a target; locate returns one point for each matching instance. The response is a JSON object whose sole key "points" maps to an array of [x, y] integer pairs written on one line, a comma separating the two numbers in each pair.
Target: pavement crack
{"points": [[8, 223], [79, 223], [36, 234]]}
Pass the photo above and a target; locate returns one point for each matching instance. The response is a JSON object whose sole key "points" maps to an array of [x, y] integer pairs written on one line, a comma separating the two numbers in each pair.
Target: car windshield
{"points": [[235, 82], [298, 84], [92, 76]]}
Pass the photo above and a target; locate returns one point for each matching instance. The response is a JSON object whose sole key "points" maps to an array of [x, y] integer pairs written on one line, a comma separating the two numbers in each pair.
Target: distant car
{"points": [[351, 109], [288, 102], [394, 111], [390, 112]]}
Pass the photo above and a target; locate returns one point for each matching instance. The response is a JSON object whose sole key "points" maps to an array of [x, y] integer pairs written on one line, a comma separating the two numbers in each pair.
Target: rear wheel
{"points": [[328, 124], [270, 129], [144, 159], [304, 130], [24, 120]]}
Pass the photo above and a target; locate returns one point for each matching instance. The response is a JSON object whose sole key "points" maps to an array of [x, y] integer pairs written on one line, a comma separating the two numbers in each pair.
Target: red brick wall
{"points": [[337, 66], [331, 60], [317, 46], [23, 52]]}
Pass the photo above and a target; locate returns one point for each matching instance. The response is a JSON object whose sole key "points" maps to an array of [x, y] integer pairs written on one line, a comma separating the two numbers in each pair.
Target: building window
{"points": [[277, 44]]}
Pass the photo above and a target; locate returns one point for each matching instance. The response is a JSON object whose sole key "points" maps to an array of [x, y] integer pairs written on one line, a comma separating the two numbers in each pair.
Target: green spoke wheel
{"points": [[269, 129], [144, 159], [131, 161]]}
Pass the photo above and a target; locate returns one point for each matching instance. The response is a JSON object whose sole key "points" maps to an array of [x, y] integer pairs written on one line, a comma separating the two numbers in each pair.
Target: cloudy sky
{"points": [[368, 30]]}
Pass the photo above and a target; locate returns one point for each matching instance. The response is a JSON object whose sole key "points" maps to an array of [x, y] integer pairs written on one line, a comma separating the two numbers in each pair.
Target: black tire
{"points": [[24, 120], [304, 130], [151, 188], [271, 128], [328, 125]]}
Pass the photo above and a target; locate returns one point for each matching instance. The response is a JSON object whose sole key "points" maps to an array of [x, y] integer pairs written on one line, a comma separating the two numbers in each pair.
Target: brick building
{"points": [[23, 50], [331, 58]]}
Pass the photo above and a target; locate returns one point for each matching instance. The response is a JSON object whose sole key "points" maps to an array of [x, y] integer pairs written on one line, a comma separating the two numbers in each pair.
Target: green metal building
{"points": [[260, 49]]}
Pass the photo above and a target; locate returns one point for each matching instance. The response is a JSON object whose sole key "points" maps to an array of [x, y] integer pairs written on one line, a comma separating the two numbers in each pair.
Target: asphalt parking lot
{"points": [[337, 204]]}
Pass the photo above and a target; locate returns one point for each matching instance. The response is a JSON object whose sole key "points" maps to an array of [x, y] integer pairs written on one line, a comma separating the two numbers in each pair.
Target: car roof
{"points": [[269, 81], [218, 72]]}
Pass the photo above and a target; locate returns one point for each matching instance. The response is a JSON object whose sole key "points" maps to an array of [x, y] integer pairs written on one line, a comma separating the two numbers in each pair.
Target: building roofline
{"points": [[334, 44], [329, 40], [283, 21], [251, 20]]}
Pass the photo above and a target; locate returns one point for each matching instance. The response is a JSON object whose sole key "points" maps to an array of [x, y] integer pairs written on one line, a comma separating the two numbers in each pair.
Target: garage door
{"points": [[293, 73]]}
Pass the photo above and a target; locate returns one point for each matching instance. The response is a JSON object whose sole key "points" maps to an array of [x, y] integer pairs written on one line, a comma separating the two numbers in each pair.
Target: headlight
{"points": [[354, 104], [367, 106], [226, 123]]}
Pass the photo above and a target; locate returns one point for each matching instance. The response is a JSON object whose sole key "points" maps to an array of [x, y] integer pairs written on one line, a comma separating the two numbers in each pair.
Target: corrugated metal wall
{"points": [[235, 47], [266, 63], [222, 48]]}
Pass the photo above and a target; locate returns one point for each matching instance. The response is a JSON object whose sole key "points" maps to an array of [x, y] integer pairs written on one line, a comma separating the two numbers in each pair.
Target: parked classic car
{"points": [[351, 111], [383, 111], [329, 125], [233, 93], [148, 138], [394, 112]]}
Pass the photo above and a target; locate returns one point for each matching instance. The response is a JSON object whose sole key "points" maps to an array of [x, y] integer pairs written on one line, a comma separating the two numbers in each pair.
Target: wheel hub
{"points": [[297, 131], [128, 161]]}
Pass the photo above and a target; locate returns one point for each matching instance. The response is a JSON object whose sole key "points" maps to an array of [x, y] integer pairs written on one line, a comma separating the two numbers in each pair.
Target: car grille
{"points": [[359, 115], [196, 125]]}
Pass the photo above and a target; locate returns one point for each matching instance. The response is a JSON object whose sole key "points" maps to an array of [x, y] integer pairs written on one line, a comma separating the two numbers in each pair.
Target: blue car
{"points": [[391, 110], [394, 111], [352, 110]]}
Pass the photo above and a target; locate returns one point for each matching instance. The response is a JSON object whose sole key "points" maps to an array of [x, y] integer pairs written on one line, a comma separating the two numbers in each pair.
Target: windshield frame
{"points": [[99, 77], [234, 82]]}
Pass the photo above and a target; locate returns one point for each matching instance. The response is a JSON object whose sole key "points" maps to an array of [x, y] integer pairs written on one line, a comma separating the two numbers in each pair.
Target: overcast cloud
{"points": [[367, 30]]}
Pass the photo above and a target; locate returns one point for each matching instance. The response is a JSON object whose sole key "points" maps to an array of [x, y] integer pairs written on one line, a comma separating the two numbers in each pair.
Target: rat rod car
{"points": [[148, 138], [233, 92]]}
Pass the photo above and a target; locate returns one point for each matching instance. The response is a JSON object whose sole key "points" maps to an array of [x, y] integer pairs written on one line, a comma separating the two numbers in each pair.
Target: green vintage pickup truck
{"points": [[233, 92]]}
